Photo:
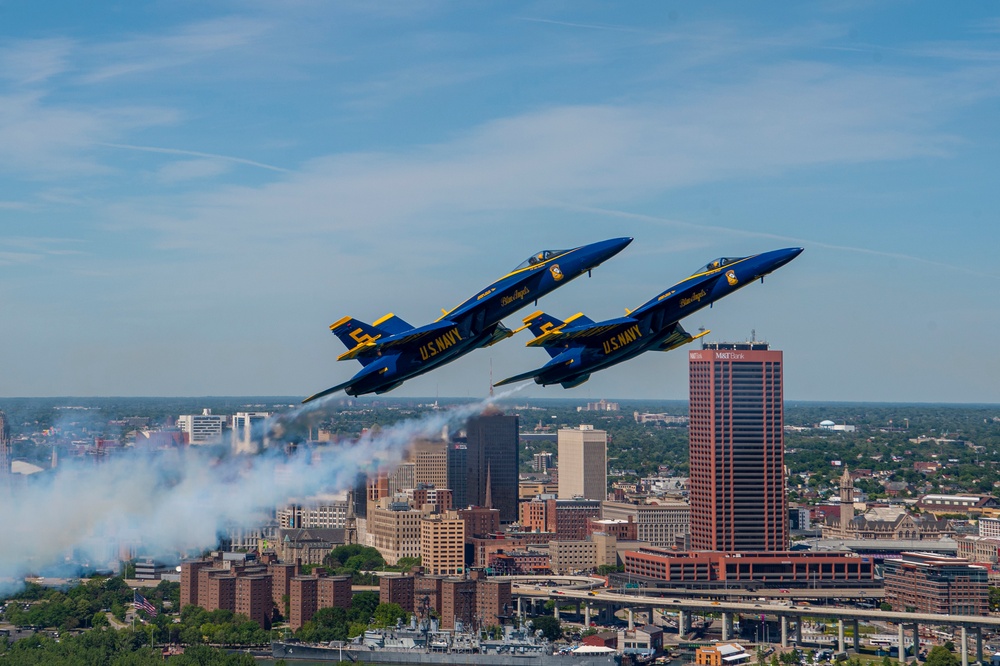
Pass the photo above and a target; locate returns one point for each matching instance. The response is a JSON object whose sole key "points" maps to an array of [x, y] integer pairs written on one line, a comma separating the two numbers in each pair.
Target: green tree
{"points": [[550, 627], [940, 656], [387, 615], [363, 605]]}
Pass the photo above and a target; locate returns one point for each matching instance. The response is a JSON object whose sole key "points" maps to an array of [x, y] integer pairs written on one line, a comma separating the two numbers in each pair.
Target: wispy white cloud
{"points": [[189, 44], [39, 139], [186, 170], [785, 118], [34, 61], [209, 157], [795, 240]]}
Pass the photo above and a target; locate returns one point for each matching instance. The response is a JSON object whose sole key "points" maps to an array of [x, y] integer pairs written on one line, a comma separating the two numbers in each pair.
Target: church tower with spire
{"points": [[846, 503]]}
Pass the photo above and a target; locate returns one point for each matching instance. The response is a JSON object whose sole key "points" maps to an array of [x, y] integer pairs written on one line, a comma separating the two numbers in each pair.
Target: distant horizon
{"points": [[295, 400]]}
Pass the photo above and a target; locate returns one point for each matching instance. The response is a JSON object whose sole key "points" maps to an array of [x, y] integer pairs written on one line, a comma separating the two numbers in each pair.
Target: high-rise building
{"points": [[491, 439], [394, 529], [442, 544], [458, 474], [737, 486], [200, 428], [253, 598], [430, 458], [4, 450], [248, 431], [402, 478], [583, 463], [541, 462]]}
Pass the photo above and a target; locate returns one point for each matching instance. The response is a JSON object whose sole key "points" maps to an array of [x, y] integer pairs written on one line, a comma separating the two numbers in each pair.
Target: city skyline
{"points": [[193, 195]]}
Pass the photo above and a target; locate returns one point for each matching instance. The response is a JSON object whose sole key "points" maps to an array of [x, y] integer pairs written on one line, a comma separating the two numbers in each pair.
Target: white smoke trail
{"points": [[175, 501]]}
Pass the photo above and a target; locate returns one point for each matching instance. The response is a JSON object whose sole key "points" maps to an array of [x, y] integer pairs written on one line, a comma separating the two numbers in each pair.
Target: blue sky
{"points": [[192, 192]]}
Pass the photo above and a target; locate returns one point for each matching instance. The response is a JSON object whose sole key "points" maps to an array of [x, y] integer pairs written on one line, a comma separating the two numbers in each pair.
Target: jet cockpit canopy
{"points": [[716, 264], [539, 257]]}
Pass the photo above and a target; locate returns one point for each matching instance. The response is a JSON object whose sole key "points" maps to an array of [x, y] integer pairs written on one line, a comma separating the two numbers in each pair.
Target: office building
{"points": [[440, 499], [989, 527], [480, 521], [458, 474], [583, 463], [404, 477], [442, 544], [430, 459], [737, 489], [925, 583], [394, 529], [660, 567], [201, 428], [567, 557], [541, 462], [324, 511], [491, 440], [249, 434], [658, 524]]}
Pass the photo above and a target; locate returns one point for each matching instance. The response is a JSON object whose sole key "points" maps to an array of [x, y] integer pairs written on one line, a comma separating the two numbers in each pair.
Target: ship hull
{"points": [[353, 654]]}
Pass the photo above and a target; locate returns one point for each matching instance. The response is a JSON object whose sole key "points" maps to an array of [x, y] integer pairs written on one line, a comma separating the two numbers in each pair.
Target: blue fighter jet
{"points": [[393, 351], [580, 346]]}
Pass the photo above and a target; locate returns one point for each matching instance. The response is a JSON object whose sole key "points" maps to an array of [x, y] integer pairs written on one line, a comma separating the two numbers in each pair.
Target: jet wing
{"points": [[446, 332], [589, 335], [678, 338]]}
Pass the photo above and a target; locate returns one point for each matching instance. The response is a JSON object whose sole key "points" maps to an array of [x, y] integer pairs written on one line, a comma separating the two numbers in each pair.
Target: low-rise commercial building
{"points": [[935, 584], [658, 524], [721, 654], [710, 569], [572, 556], [644, 640]]}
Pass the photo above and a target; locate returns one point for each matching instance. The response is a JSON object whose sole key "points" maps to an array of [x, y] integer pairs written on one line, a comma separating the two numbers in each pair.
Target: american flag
{"points": [[143, 603]]}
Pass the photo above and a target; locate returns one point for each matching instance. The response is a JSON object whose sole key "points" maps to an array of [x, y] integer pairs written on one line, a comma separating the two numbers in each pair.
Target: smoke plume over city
{"points": [[168, 503]]}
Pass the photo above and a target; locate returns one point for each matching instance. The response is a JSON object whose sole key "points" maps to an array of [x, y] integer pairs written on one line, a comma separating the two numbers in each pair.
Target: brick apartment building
{"points": [[236, 582]]}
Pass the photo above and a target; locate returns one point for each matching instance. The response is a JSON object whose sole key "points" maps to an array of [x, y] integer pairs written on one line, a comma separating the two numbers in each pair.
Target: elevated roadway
{"points": [[596, 594]]}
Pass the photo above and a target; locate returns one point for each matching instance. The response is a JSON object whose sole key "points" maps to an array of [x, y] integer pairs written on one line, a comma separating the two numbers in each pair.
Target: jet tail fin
{"points": [[391, 324], [546, 327], [356, 335]]}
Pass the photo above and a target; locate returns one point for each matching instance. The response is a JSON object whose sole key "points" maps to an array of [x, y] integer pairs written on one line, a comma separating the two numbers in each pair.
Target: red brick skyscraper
{"points": [[737, 487]]}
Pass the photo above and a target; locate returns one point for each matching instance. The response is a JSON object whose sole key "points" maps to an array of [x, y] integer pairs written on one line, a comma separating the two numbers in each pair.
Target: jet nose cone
{"points": [[603, 250], [782, 257], [621, 243]]}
